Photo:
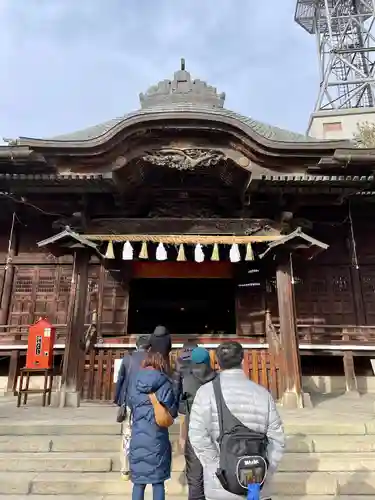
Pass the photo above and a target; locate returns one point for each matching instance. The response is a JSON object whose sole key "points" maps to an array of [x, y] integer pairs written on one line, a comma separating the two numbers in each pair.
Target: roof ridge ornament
{"points": [[182, 90]]}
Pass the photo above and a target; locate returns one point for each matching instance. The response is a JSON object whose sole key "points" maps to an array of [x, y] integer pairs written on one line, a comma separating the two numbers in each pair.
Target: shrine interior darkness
{"points": [[184, 306]]}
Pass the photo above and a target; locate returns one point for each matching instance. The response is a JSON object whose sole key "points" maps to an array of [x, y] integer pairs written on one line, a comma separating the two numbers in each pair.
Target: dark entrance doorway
{"points": [[184, 306]]}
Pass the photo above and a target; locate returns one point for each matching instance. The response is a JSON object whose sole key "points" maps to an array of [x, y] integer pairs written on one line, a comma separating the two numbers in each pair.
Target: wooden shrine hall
{"points": [[186, 214]]}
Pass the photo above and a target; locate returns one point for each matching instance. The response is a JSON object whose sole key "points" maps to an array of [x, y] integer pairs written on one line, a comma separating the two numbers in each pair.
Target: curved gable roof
{"points": [[262, 129], [183, 98]]}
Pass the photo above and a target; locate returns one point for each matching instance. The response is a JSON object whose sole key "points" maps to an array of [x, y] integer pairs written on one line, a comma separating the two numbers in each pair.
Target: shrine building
{"points": [[189, 215]]}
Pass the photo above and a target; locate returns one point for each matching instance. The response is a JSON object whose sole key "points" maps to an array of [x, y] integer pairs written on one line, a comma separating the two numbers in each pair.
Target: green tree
{"points": [[365, 136]]}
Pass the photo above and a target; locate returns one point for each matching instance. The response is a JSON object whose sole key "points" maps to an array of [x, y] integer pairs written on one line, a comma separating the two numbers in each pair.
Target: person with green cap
{"points": [[199, 374]]}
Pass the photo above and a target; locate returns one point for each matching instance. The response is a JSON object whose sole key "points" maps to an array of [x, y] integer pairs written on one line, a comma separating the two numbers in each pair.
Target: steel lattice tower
{"points": [[346, 48]]}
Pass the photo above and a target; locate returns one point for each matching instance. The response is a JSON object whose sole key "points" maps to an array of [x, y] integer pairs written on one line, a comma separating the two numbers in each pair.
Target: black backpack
{"points": [[190, 386], [243, 452]]}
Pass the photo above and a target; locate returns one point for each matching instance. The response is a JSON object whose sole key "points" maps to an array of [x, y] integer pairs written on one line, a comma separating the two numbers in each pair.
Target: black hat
{"points": [[143, 341]]}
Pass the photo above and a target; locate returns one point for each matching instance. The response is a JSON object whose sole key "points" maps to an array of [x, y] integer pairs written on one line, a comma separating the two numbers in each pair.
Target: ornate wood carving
{"points": [[188, 159], [137, 144]]}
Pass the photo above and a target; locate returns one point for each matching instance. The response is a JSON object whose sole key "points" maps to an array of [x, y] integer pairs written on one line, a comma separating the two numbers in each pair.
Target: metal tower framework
{"points": [[346, 47]]}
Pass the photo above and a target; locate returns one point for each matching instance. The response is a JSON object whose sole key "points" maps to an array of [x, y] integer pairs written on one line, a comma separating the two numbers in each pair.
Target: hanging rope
{"points": [[10, 242], [177, 239], [354, 243]]}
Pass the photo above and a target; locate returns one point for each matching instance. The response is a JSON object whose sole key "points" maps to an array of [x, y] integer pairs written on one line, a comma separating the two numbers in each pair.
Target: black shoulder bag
{"points": [[243, 452]]}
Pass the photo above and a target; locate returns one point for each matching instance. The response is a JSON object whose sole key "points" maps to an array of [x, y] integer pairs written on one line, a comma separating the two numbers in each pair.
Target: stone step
{"points": [[328, 462], [112, 443], [65, 443], [67, 429], [46, 429], [109, 483], [58, 462], [172, 497], [148, 496], [340, 444], [324, 427], [301, 426], [106, 462]]}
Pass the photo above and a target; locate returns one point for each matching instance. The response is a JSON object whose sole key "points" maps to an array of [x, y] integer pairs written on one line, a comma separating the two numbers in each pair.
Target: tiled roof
{"points": [[260, 128]]}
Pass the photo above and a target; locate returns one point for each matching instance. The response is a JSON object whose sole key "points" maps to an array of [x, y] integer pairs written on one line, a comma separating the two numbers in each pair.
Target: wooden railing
{"points": [[320, 333], [259, 365], [347, 340], [17, 334], [314, 333]]}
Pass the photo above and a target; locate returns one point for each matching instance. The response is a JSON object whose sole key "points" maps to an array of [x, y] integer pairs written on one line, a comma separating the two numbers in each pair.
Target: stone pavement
{"points": [[341, 408], [73, 454]]}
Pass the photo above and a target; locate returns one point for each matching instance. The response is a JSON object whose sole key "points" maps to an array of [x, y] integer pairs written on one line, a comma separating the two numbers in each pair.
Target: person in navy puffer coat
{"points": [[150, 453]]}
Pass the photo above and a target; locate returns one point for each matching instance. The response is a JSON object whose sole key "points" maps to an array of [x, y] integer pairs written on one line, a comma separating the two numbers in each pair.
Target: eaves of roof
{"points": [[58, 178], [100, 180], [316, 179], [269, 136]]}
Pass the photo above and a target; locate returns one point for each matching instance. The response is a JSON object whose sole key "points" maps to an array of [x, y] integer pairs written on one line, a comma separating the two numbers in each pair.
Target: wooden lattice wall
{"points": [[43, 290], [115, 301], [39, 291], [259, 365]]}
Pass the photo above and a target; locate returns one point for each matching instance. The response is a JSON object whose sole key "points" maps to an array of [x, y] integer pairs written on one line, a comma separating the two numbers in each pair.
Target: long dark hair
{"points": [[156, 361]]}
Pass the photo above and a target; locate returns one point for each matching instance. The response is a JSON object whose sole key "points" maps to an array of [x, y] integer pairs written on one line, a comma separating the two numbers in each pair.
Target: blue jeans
{"points": [[158, 491]]}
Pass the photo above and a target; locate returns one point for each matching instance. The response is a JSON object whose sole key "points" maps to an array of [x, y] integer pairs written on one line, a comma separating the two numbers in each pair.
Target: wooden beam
{"points": [[293, 395], [70, 380], [179, 226]]}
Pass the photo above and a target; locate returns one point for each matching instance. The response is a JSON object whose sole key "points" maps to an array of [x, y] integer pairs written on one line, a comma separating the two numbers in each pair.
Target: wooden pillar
{"points": [[70, 380], [6, 296], [273, 340], [126, 303], [6, 291], [351, 383], [126, 287], [293, 395], [99, 316], [14, 367]]}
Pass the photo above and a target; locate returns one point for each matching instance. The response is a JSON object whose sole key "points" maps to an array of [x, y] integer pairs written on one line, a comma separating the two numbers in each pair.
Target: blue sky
{"points": [[68, 64]]}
